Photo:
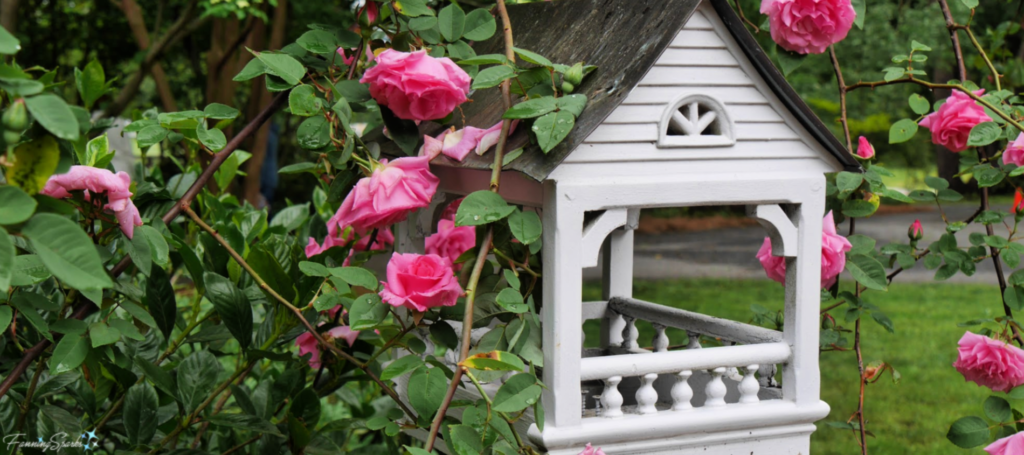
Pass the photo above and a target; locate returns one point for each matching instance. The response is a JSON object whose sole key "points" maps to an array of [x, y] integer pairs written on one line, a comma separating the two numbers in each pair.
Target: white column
{"points": [[801, 380], [562, 311], [617, 278]]}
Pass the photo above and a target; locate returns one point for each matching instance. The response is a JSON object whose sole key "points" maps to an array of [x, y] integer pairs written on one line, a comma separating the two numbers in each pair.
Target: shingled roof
{"points": [[623, 38]]}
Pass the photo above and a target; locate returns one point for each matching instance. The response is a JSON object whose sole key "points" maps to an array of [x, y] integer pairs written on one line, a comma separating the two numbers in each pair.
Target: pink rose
{"points": [[590, 450], [416, 86], [864, 148], [951, 124], [456, 144], [1010, 445], [1015, 151], [384, 239], [833, 255], [990, 363], [808, 26], [93, 180], [307, 343], [453, 208], [450, 242], [380, 200], [420, 282], [916, 231]]}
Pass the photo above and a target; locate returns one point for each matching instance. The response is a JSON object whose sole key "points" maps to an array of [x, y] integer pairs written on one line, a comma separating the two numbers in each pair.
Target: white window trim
{"points": [[725, 124]]}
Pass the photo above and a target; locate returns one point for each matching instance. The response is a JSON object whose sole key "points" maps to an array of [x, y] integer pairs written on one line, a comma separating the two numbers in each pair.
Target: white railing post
{"points": [[716, 389], [646, 396], [660, 341], [694, 340], [611, 399], [749, 386], [630, 334], [682, 393]]}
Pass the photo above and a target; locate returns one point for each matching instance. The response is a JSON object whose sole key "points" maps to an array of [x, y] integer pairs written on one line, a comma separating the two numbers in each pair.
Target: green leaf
{"points": [[917, 46], [788, 60], [213, 139], [404, 132], [465, 440], [291, 218], [451, 21], [197, 377], [883, 321], [517, 393], [893, 73], [33, 317], [948, 195], [255, 68], [858, 208], [219, 111], [494, 361], [511, 300], [160, 301], [525, 226], [429, 386], [283, 66], [34, 162], [572, 104], [151, 135], [91, 83], [7, 254], [314, 269], [303, 101], [443, 334], [245, 423], [158, 376], [997, 409], [6, 316], [486, 59], [938, 183], [968, 432], [126, 329], [867, 271], [512, 279], [849, 181], [356, 276], [314, 133], [902, 131], [552, 128], [988, 176], [533, 57], [482, 207], [53, 114], [67, 251], [318, 42], [919, 104], [970, 3], [420, 24], [480, 25], [97, 152], [232, 305], [860, 12], [8, 43], [492, 76], [367, 312], [102, 334], [268, 267], [862, 244], [140, 414], [984, 133], [15, 205], [401, 366], [412, 8], [69, 354], [534, 107]]}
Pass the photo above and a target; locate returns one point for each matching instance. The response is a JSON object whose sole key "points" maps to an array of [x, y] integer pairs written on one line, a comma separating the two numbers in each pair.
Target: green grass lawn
{"points": [[911, 417]]}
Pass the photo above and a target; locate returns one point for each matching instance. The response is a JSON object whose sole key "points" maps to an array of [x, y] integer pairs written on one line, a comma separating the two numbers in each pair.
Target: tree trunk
{"points": [[9, 15], [251, 188], [137, 23]]}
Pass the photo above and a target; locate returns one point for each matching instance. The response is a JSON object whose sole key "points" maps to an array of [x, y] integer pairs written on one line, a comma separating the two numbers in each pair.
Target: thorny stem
{"points": [[28, 395], [297, 312], [842, 97], [981, 50], [860, 365], [957, 51], [242, 445]]}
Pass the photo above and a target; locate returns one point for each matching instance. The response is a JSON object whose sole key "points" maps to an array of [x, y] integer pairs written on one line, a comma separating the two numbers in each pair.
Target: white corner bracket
{"points": [[597, 229], [781, 230]]}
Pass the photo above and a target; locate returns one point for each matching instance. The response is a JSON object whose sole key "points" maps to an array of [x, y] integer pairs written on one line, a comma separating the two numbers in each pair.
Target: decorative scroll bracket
{"points": [[781, 231], [598, 229]]}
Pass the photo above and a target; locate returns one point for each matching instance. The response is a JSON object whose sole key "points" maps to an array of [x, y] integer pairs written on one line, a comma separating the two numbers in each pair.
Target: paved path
{"points": [[729, 253]]}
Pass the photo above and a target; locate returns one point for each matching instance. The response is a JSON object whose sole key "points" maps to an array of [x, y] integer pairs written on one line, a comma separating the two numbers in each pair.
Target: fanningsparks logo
{"points": [[56, 443]]}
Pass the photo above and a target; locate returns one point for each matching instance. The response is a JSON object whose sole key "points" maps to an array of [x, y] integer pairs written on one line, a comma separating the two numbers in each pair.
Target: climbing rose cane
{"points": [[1015, 151], [450, 241], [951, 124], [416, 86], [833, 255], [420, 282], [307, 343], [808, 26], [384, 198], [590, 450], [1010, 445], [990, 363], [93, 180], [864, 148]]}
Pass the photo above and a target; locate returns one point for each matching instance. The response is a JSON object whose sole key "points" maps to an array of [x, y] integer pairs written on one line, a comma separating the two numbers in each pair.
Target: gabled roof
{"points": [[624, 39]]}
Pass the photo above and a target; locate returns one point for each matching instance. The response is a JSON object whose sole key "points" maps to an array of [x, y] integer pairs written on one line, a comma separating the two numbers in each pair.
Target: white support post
{"points": [[563, 307], [801, 379], [617, 276]]}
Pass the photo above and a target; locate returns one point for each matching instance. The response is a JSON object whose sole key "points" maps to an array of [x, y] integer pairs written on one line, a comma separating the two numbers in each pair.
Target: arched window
{"points": [[696, 121]]}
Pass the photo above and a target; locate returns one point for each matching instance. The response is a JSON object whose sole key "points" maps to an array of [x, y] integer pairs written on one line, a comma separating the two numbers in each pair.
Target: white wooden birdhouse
{"points": [[685, 110]]}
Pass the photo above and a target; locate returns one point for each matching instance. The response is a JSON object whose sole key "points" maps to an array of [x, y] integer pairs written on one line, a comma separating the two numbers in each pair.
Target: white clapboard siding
{"points": [[698, 21], [740, 113], [701, 76], [728, 95], [697, 57], [647, 151], [648, 132], [697, 39]]}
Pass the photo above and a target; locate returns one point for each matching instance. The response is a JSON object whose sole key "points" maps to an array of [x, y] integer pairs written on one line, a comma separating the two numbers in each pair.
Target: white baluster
{"points": [[694, 340], [611, 399], [646, 396], [749, 386], [630, 334], [660, 339], [768, 375], [716, 389], [681, 391]]}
